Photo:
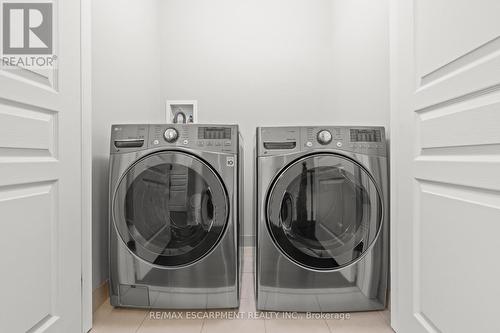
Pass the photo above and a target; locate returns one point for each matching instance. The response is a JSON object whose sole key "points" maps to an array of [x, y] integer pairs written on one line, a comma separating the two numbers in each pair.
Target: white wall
{"points": [[254, 63], [277, 62], [126, 89]]}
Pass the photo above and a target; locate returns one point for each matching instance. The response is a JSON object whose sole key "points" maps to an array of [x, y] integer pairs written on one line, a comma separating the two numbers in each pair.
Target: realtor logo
{"points": [[27, 28]]}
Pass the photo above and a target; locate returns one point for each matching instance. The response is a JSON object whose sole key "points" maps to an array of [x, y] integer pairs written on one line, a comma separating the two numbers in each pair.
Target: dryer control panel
{"points": [[212, 138], [357, 139]]}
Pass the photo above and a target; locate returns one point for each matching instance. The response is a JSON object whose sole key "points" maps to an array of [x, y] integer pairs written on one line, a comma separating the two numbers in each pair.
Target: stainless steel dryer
{"points": [[322, 218], [175, 198]]}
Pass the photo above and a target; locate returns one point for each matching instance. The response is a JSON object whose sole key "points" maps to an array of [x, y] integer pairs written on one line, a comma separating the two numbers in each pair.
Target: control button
{"points": [[156, 142], [201, 143], [227, 143], [339, 144], [210, 143], [185, 141], [309, 143], [171, 135], [218, 143], [324, 137]]}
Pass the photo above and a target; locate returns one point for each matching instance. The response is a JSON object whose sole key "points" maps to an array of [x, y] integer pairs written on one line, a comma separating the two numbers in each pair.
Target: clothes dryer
{"points": [[175, 205], [322, 218]]}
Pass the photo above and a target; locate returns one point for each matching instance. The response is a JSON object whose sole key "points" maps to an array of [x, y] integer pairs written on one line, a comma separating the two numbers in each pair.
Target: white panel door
{"points": [[445, 165], [40, 185]]}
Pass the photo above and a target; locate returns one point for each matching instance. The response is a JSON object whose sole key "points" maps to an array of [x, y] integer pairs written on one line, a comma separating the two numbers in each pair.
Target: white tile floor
{"points": [[114, 320]]}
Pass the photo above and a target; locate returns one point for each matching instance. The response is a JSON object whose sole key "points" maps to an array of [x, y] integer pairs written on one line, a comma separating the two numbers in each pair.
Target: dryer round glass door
{"points": [[170, 208], [324, 211]]}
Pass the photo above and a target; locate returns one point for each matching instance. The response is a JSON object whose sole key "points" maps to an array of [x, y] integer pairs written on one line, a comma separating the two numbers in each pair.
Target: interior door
{"points": [[446, 161], [324, 211], [40, 175]]}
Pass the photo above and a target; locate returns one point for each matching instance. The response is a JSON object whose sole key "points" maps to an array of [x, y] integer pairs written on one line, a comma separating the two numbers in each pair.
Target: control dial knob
{"points": [[171, 135], [324, 137]]}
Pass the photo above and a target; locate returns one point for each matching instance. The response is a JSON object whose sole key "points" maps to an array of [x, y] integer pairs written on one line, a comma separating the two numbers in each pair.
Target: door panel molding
{"points": [[467, 60], [38, 137], [43, 77], [41, 186], [456, 118], [36, 278], [444, 208], [442, 38], [446, 156], [478, 78]]}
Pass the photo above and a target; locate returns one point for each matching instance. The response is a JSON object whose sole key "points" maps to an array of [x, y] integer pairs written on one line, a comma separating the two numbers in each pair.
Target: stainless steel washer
{"points": [[175, 205], [322, 218]]}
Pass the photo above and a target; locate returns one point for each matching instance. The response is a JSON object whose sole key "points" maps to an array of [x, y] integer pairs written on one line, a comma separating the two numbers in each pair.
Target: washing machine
{"points": [[321, 218], [175, 205]]}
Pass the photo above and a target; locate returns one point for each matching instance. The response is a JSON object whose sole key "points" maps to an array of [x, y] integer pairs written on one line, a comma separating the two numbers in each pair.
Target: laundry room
{"points": [[261, 166]]}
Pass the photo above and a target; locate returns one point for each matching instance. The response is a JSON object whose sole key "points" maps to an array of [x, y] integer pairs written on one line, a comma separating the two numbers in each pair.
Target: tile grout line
{"points": [[202, 325], [328, 326], [385, 321], [382, 316], [143, 320]]}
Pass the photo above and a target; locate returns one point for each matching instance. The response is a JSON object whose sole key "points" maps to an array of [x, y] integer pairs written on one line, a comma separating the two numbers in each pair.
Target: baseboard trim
{"points": [[99, 296]]}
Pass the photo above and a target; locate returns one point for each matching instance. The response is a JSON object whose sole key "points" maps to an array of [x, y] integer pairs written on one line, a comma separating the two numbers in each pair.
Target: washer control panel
{"points": [[126, 138], [171, 135], [324, 137], [364, 140], [216, 138], [213, 138], [280, 140]]}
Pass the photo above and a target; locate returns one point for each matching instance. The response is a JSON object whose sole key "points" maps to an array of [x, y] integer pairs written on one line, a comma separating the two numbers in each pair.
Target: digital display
{"points": [[366, 135], [217, 133]]}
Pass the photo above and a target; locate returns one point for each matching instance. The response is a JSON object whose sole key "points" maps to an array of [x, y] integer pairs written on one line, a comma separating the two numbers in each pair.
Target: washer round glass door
{"points": [[324, 211], [170, 208]]}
